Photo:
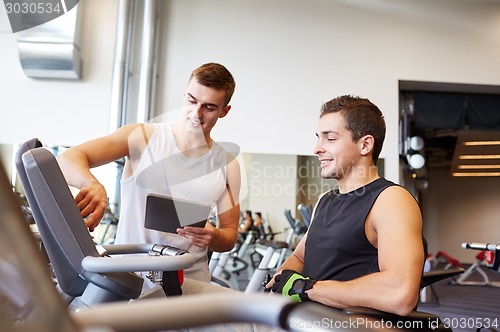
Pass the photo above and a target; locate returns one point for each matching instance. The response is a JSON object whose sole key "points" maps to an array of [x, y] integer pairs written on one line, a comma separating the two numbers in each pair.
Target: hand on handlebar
{"points": [[92, 201], [293, 285]]}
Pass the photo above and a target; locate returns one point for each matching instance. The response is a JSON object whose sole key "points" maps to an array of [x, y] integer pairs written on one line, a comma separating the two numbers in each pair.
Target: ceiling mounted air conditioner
{"points": [[52, 50]]}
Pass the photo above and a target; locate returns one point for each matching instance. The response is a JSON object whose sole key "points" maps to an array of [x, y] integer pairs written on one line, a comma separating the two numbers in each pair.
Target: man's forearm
{"points": [[224, 239], [76, 171], [373, 291], [293, 262]]}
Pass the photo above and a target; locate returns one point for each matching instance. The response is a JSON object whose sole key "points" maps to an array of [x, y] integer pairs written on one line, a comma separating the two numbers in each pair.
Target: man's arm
{"points": [[77, 161], [394, 226], [294, 262], [223, 237], [229, 211]]}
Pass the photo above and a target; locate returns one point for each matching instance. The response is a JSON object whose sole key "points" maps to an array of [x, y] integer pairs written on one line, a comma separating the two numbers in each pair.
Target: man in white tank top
{"points": [[198, 170]]}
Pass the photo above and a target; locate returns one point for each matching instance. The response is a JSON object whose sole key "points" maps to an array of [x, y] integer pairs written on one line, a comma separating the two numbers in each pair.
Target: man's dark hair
{"points": [[215, 75], [361, 117]]}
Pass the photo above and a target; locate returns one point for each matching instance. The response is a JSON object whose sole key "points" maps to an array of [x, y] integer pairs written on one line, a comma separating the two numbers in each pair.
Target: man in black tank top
{"points": [[364, 246]]}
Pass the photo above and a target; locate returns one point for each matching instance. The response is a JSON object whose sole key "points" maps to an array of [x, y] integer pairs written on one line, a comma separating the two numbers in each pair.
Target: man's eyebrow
{"points": [[210, 104], [205, 104], [327, 132]]}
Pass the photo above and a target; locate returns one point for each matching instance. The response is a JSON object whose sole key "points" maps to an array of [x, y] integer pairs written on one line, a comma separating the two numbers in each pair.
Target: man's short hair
{"points": [[216, 76], [362, 117]]}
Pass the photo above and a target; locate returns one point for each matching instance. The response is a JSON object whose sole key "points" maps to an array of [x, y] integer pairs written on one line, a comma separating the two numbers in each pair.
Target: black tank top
{"points": [[336, 246]]}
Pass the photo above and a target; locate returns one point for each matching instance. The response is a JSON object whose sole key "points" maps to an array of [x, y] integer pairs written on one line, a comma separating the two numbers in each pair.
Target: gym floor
{"points": [[463, 306]]}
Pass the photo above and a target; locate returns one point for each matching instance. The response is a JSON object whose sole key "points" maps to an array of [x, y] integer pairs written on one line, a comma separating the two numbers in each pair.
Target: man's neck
{"points": [[192, 145], [357, 179]]}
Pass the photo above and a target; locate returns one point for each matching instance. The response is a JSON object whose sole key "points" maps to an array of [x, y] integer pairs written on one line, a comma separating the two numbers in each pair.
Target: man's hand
{"points": [[293, 285], [92, 201], [199, 236]]}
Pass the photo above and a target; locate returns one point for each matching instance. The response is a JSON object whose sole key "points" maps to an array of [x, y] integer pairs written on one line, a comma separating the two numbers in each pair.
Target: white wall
{"points": [[458, 210], [57, 111]]}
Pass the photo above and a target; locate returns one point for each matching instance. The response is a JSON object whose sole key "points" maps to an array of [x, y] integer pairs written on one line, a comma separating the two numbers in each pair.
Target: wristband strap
{"points": [[299, 288], [288, 288]]}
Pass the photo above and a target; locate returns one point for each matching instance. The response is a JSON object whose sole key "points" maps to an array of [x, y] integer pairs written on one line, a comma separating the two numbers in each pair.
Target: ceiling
{"points": [[463, 152], [439, 147], [476, 153]]}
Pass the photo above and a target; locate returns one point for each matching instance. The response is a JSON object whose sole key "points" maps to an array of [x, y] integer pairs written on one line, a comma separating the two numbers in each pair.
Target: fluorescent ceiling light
{"points": [[463, 174], [479, 156], [480, 143], [478, 166]]}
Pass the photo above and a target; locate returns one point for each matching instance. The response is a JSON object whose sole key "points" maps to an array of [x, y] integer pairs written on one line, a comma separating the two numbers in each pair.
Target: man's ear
{"points": [[366, 144], [225, 111]]}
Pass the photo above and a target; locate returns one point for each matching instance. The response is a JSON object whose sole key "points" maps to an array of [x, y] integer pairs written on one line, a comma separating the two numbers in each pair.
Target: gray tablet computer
{"points": [[166, 214]]}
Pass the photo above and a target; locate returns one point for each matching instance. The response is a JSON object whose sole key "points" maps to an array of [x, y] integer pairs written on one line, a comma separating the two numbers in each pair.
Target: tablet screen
{"points": [[166, 214]]}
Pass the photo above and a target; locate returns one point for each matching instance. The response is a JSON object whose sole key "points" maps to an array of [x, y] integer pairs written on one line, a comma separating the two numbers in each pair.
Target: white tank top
{"points": [[164, 170]]}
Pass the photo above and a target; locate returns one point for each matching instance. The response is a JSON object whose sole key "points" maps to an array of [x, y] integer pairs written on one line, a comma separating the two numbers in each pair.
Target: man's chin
{"points": [[328, 174], [194, 129]]}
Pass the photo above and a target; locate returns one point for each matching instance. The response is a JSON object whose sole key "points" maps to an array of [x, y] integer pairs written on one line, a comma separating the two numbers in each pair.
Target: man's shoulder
{"points": [[394, 187], [396, 196], [231, 149]]}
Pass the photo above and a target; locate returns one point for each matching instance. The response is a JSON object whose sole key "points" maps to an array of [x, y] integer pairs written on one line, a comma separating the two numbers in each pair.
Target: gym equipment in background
{"points": [[490, 253], [306, 213], [468, 278]]}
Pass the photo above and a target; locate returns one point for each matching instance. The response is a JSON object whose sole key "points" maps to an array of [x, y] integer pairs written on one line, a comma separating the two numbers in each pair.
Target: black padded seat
{"points": [[273, 244]]}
